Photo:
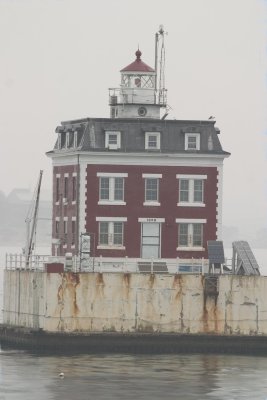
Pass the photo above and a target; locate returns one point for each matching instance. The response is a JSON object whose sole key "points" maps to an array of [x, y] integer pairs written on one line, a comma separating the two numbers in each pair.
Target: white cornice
{"points": [[159, 159]]}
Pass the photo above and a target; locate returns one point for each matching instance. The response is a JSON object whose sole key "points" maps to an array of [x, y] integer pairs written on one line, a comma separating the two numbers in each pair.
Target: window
{"points": [[191, 190], [190, 234], [73, 231], [111, 234], [192, 141], [112, 140], [66, 188], [57, 188], [57, 227], [74, 188], [152, 140], [111, 188], [65, 227], [151, 189]]}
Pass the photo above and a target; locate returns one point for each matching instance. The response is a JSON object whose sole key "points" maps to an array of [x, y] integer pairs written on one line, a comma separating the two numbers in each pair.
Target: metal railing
{"points": [[109, 264], [18, 261]]}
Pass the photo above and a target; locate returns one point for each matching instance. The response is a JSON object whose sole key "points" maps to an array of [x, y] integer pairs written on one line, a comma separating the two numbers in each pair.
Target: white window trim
{"points": [[151, 203], [191, 179], [111, 200], [112, 175], [190, 221], [197, 136], [152, 176], [151, 220], [182, 176], [74, 174], [111, 219], [113, 146], [147, 134]]}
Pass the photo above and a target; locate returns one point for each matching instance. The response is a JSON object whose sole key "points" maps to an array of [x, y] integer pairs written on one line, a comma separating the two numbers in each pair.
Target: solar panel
{"points": [[148, 268], [244, 261], [216, 252]]}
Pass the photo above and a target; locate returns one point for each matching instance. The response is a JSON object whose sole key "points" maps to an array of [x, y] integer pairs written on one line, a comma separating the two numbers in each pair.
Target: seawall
{"points": [[89, 303]]}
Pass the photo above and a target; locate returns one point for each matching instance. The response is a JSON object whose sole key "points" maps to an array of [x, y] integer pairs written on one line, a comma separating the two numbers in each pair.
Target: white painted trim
{"points": [[58, 175], [101, 247], [73, 218], [66, 175], [57, 203], [112, 174], [151, 203], [111, 219], [190, 248], [57, 219], [190, 221], [151, 175], [74, 174], [73, 202], [82, 196], [182, 176], [111, 203], [151, 220], [146, 158], [219, 202], [65, 218], [185, 204]]}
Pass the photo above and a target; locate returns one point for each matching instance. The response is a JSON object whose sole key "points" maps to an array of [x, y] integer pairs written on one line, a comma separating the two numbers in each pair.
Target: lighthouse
{"points": [[137, 185], [141, 93]]}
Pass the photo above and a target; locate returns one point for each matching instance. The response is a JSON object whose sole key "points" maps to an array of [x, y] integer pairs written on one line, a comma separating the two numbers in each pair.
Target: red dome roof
{"points": [[138, 65]]}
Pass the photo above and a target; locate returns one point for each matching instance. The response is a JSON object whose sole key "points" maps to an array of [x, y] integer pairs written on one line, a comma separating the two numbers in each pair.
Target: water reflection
{"points": [[186, 377]]}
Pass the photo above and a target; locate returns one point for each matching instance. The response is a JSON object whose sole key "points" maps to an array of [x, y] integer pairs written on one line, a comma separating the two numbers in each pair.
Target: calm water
{"points": [[24, 376]]}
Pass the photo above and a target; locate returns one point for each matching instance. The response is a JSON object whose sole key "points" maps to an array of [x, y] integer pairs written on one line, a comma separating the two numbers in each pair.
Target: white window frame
{"points": [[147, 136], [112, 146], [111, 177], [111, 221], [190, 223], [191, 179], [196, 136], [156, 177]]}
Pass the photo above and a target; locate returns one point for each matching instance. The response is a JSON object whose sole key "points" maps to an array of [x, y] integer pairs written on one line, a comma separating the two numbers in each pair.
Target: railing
{"points": [[108, 264], [128, 95], [18, 261]]}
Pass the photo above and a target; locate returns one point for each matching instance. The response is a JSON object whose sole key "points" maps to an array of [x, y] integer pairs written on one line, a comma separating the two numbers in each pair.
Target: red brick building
{"points": [[140, 185]]}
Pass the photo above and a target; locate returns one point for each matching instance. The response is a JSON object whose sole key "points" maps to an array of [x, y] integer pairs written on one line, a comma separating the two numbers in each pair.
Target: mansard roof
{"points": [[91, 135]]}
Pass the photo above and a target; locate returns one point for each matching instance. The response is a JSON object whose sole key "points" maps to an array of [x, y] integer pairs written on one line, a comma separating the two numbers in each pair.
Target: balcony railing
{"points": [[137, 96]]}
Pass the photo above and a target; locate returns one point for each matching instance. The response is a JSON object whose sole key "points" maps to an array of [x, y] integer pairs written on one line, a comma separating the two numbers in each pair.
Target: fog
{"points": [[59, 57]]}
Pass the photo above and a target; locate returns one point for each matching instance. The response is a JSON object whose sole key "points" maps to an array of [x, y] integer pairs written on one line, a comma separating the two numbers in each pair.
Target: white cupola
{"points": [[137, 96]]}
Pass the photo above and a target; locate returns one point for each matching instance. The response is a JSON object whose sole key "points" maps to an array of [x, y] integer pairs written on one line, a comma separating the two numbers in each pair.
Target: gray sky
{"points": [[59, 57]]}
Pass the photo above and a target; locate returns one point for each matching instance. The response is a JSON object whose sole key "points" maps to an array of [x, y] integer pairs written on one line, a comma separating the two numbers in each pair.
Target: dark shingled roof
{"points": [[91, 135]]}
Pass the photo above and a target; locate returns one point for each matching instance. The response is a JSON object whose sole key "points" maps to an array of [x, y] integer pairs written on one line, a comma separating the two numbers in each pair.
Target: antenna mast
{"points": [[160, 91], [32, 220]]}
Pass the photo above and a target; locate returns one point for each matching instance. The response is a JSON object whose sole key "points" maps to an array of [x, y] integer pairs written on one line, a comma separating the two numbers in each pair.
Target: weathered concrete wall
{"points": [[134, 302]]}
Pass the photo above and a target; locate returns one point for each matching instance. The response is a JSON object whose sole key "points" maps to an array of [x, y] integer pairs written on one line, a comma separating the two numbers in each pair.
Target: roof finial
{"points": [[138, 54]]}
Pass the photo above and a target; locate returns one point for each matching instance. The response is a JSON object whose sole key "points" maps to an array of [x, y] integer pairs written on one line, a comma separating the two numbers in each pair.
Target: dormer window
{"points": [[152, 141], [192, 141], [113, 140]]}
